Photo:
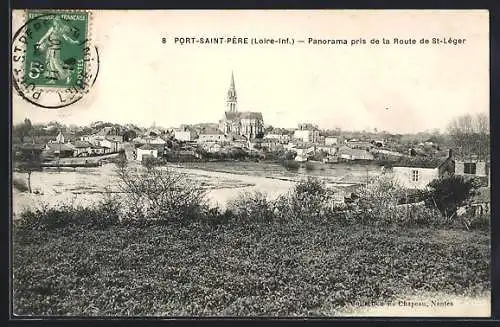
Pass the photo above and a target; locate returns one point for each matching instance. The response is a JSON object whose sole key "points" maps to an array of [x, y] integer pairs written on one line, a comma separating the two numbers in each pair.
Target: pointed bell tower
{"points": [[231, 101]]}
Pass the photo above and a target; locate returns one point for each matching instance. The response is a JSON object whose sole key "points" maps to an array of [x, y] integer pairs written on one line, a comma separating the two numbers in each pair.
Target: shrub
{"points": [[157, 193], [20, 185], [251, 207], [420, 215], [449, 193], [377, 203], [309, 200], [287, 155], [101, 216]]}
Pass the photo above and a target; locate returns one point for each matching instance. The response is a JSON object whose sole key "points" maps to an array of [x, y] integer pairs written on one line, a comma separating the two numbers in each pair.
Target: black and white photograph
{"points": [[250, 163]]}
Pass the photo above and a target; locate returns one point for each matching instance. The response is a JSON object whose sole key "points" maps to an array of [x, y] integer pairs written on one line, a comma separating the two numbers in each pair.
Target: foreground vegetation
{"points": [[159, 250], [253, 269]]}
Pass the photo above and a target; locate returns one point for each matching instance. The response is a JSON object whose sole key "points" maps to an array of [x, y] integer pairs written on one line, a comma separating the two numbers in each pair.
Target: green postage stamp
{"points": [[54, 55], [54, 59]]}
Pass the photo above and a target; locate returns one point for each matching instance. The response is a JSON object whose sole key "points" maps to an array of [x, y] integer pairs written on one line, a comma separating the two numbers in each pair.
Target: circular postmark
{"points": [[54, 63]]}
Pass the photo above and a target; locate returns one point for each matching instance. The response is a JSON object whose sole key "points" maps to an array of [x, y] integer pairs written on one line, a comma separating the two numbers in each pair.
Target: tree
{"points": [[470, 135], [29, 161], [449, 193], [129, 135]]}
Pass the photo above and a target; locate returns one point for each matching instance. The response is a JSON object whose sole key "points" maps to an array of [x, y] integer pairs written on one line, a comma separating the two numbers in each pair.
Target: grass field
{"points": [[240, 270]]}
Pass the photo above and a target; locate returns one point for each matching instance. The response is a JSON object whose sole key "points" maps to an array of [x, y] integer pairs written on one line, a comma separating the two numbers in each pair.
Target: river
{"points": [[223, 181]]}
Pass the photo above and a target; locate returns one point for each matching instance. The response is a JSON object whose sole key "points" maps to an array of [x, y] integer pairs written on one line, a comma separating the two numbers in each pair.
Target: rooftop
{"points": [[82, 144], [420, 162]]}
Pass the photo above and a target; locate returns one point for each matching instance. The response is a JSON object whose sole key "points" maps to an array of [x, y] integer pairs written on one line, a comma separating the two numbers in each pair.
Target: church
{"points": [[241, 123]]}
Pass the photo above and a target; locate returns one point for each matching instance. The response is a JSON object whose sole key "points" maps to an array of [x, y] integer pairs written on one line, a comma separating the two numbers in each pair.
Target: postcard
{"points": [[250, 163]]}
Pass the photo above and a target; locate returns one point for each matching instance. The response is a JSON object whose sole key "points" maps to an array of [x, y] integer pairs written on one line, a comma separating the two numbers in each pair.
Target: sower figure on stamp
{"points": [[55, 67]]}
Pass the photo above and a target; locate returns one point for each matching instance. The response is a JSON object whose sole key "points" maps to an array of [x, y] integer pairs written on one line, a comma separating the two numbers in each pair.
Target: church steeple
{"points": [[231, 101]]}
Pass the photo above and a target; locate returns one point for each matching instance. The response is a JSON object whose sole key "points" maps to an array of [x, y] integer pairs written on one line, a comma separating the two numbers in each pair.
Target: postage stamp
{"points": [[54, 61]]}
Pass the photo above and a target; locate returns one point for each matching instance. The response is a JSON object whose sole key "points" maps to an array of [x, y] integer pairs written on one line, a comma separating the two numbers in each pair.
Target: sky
{"points": [[397, 88]]}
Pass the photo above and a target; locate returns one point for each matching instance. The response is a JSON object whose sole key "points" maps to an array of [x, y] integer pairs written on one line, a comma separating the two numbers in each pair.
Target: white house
{"points": [[112, 145], [157, 140], [330, 149], [60, 138], [96, 149], [347, 153], [282, 136], [303, 152], [306, 135], [212, 147], [417, 174], [212, 136], [82, 148], [184, 135], [331, 140], [146, 150], [473, 168]]}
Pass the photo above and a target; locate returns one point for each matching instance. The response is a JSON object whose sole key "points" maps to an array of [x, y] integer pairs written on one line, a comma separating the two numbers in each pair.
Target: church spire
{"points": [[231, 101]]}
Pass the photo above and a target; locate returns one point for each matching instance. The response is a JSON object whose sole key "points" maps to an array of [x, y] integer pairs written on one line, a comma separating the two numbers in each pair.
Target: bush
{"points": [[420, 215], [449, 193], [101, 216], [251, 207], [480, 222], [157, 193], [309, 200], [377, 203], [20, 185]]}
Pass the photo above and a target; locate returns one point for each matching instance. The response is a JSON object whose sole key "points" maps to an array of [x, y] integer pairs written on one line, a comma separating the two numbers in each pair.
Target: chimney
{"points": [[450, 153]]}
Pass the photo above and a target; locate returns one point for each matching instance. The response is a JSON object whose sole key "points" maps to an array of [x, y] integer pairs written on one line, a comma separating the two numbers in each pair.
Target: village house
{"points": [[106, 140], [359, 144], [62, 138], [212, 147], [146, 150], [347, 153], [110, 144], [156, 141], [185, 135], [306, 133], [387, 152], [331, 140], [303, 152], [82, 148], [417, 174], [328, 149], [271, 144], [281, 135], [473, 167], [62, 150], [98, 150], [238, 140], [212, 136]]}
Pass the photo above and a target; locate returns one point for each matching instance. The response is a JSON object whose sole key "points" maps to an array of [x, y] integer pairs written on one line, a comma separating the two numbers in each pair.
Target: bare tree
{"points": [[470, 135], [153, 192]]}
